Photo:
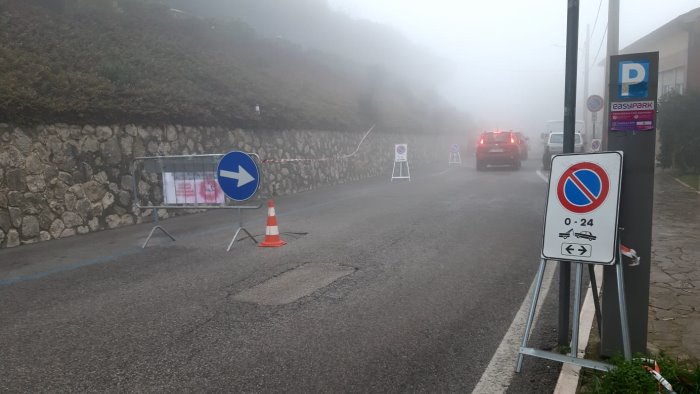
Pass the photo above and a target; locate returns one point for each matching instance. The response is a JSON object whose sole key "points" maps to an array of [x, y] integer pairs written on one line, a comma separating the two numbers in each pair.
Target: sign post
{"points": [[568, 146], [632, 129], [401, 157], [594, 105], [239, 178], [581, 227]]}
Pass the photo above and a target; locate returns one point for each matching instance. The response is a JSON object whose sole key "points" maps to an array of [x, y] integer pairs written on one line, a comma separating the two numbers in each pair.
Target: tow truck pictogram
{"points": [[566, 234]]}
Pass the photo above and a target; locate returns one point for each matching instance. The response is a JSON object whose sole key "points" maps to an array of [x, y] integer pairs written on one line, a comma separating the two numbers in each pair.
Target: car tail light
{"points": [[512, 140], [481, 141]]}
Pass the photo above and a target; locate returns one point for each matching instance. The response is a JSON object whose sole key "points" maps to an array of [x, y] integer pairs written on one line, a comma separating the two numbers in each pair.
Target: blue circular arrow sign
{"points": [[238, 175]]}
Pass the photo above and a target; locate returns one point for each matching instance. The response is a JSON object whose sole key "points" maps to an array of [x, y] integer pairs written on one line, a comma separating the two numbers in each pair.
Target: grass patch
{"points": [[632, 377]]}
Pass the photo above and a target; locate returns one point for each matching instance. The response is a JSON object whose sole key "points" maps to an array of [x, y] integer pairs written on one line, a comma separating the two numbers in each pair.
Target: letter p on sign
{"points": [[633, 79]]}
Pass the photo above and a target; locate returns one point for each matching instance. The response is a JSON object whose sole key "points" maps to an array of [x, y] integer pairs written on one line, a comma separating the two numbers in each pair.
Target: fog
{"points": [[508, 57]]}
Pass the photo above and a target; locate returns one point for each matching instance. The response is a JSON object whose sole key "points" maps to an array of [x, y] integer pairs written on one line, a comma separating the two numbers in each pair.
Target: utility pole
{"points": [[586, 68], [569, 130], [612, 49], [636, 195]]}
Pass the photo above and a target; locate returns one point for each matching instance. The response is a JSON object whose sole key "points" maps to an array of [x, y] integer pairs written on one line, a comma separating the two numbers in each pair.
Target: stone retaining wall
{"points": [[61, 180]]}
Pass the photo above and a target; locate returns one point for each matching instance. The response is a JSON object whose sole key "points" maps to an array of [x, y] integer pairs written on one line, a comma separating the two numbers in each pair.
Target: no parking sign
{"points": [[582, 208], [400, 152]]}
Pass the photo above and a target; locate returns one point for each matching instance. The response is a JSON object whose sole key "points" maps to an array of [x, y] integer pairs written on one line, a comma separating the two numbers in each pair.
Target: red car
{"points": [[498, 148]]}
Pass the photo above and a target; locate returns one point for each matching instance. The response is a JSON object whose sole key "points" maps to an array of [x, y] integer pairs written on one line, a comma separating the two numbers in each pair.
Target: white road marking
{"points": [[686, 185], [501, 369], [543, 176], [443, 172]]}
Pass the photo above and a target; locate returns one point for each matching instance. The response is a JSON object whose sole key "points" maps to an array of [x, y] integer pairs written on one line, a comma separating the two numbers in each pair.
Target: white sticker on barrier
{"points": [[191, 188]]}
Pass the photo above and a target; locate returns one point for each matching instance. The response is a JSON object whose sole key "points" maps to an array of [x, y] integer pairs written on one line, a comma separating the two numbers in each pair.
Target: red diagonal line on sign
{"points": [[583, 187]]}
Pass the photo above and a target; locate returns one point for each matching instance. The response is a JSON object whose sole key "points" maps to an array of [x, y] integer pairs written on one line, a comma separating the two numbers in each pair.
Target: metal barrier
{"points": [[182, 182]]}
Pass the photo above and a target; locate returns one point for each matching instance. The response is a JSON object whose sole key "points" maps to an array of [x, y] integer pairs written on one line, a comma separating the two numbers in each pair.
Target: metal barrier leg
{"points": [[626, 347], [156, 227], [596, 296], [230, 245], [151, 235], [577, 310], [531, 315], [240, 228]]}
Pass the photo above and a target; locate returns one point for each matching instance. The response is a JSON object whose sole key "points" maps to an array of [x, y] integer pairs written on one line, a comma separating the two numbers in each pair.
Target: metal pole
{"points": [[596, 299], [619, 268], [613, 46], [577, 310], [594, 120], [586, 68], [569, 124]]}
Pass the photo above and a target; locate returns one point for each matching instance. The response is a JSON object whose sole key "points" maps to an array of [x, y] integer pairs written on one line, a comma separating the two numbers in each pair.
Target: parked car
{"points": [[555, 146], [522, 144], [498, 148]]}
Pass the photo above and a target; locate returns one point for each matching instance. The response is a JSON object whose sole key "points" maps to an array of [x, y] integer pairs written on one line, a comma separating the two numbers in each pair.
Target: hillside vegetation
{"points": [[137, 61], [313, 24]]}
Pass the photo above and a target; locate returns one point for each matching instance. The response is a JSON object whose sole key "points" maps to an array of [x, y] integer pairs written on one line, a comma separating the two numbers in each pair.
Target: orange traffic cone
{"points": [[272, 232]]}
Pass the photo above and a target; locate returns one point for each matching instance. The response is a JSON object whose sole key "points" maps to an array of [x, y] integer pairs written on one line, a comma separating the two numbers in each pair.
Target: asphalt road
{"points": [[396, 287]]}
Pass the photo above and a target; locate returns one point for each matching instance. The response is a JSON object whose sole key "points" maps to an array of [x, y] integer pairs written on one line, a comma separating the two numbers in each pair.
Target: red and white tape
{"points": [[656, 373], [301, 159], [631, 253]]}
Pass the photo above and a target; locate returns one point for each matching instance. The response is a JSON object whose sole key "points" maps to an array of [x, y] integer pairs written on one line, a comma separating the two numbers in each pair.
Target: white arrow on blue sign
{"points": [[238, 175]]}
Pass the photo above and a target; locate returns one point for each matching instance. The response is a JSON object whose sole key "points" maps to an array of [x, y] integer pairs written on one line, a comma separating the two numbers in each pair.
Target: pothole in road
{"points": [[295, 284]]}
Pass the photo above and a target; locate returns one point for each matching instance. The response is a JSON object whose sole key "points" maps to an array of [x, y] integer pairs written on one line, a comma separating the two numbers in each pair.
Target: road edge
{"points": [[685, 184], [500, 371]]}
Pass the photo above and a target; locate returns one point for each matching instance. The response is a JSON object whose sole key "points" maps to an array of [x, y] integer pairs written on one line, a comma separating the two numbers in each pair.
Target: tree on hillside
{"points": [[679, 125]]}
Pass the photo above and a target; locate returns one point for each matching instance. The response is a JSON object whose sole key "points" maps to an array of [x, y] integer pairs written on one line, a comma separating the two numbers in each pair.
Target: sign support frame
{"points": [[240, 225], [401, 157], [156, 226], [455, 157], [572, 357], [240, 208]]}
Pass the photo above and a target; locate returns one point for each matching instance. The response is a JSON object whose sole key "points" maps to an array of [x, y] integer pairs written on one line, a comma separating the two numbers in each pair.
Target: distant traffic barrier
{"points": [[186, 182], [455, 157]]}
